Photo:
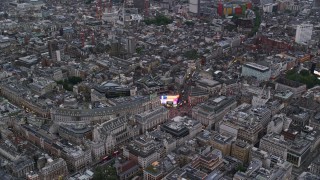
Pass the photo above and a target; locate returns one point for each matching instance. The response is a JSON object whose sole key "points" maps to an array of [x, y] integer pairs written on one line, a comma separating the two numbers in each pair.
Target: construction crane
{"points": [[82, 38], [99, 9], [240, 59], [93, 41], [146, 8], [110, 6]]}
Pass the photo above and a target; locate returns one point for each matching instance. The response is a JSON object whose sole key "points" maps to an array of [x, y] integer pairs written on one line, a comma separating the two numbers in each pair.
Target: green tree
{"points": [[74, 80], [191, 54], [240, 168], [189, 23], [304, 72], [257, 21], [304, 77], [159, 20], [139, 50], [105, 173]]}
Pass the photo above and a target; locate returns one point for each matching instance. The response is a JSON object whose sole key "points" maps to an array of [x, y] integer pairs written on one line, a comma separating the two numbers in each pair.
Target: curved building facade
{"points": [[99, 115]]}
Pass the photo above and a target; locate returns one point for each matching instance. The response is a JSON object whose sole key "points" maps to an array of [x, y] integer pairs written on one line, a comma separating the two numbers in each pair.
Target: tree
{"points": [[240, 168], [189, 23], [159, 20], [139, 50], [105, 173], [304, 72], [257, 21], [191, 54]]}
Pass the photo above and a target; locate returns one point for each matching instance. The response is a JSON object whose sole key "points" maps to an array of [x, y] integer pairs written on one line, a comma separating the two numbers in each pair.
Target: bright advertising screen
{"points": [[169, 100]]}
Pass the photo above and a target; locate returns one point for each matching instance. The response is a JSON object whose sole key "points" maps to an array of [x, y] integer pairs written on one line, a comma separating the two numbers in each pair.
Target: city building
{"points": [[274, 144], [307, 176], [113, 90], [41, 86], [260, 72], [197, 96], [294, 151], [186, 172], [194, 6], [27, 61], [222, 142], [143, 150], [182, 128], [211, 112], [22, 166], [54, 169], [315, 166], [246, 122], [131, 45], [152, 118], [76, 157], [240, 150], [98, 150], [20, 95], [114, 133], [256, 171], [304, 33], [126, 168], [158, 169], [296, 88], [316, 3], [208, 85], [279, 123], [207, 161], [75, 133], [131, 105]]}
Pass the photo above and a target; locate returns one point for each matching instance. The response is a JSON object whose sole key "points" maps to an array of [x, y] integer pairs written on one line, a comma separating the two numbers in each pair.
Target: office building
{"points": [[294, 151], [197, 96], [143, 150], [113, 90], [274, 144], [295, 87], [152, 118], [222, 142], [240, 150], [208, 160], [315, 166], [141, 5], [256, 171], [54, 169], [114, 133], [194, 6], [260, 72], [21, 166], [316, 3], [308, 176], [303, 33], [186, 172], [76, 157], [246, 122], [182, 128], [75, 133], [52, 48], [211, 112], [131, 45]]}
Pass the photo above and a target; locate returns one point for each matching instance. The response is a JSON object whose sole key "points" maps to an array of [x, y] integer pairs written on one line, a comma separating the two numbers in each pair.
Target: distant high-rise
{"points": [[194, 6], [303, 33], [131, 45], [52, 48], [140, 4], [316, 3]]}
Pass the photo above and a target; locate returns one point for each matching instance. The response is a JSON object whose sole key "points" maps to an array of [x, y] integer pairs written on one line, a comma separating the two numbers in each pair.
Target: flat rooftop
{"points": [[257, 66]]}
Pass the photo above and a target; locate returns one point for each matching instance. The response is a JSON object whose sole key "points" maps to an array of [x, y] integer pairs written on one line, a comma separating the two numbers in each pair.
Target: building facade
{"points": [[260, 72], [304, 33]]}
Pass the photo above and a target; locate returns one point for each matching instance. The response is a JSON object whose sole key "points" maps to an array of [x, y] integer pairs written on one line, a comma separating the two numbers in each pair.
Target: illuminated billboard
{"points": [[169, 100]]}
